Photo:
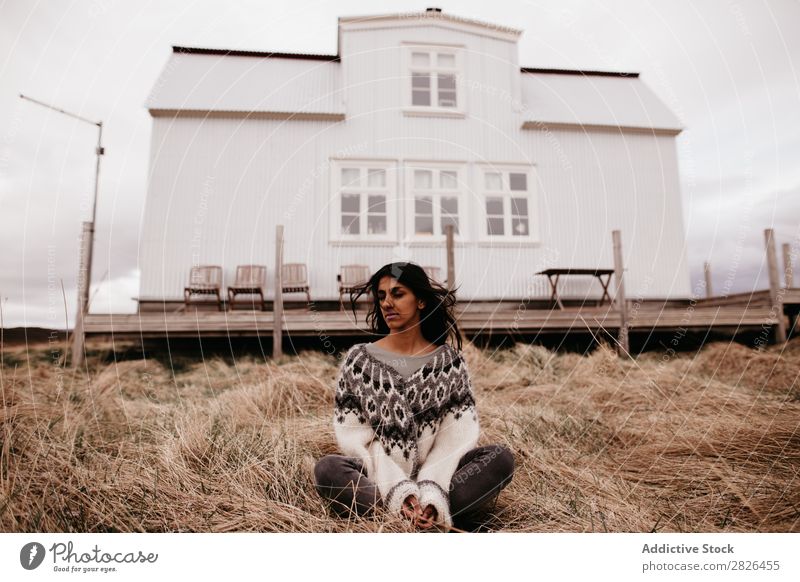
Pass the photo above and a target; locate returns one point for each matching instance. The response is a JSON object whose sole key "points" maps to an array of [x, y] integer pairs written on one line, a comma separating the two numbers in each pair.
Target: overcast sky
{"points": [[728, 69]]}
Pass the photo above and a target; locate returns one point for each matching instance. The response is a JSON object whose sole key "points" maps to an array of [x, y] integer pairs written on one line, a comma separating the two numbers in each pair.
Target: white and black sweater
{"points": [[410, 433]]}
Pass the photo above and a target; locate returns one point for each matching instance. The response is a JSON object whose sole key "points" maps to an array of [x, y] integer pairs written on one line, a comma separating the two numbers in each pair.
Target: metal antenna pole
{"points": [[86, 243]]}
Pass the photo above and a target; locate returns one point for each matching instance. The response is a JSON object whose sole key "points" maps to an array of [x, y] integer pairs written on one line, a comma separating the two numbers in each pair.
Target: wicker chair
{"points": [[294, 278], [250, 280], [204, 280], [349, 278]]}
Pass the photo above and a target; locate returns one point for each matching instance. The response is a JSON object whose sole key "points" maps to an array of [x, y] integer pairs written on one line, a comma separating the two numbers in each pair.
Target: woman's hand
{"points": [[411, 508], [423, 519], [428, 517]]}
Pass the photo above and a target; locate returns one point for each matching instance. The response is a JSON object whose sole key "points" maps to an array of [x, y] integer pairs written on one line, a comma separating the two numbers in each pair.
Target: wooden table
{"points": [[554, 274]]}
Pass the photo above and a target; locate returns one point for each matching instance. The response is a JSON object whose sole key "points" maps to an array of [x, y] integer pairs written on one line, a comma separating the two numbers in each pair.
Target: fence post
{"points": [[451, 270], [788, 270], [85, 258], [707, 273], [619, 295], [776, 297], [277, 309]]}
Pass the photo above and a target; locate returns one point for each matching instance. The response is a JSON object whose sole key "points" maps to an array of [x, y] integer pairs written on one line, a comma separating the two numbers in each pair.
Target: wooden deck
{"points": [[735, 313]]}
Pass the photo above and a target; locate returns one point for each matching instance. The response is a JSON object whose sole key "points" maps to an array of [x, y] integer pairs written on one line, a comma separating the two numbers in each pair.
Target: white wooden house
{"points": [[418, 121]]}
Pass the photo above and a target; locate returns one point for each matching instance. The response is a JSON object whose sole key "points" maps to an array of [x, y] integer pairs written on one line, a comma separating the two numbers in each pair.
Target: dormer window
{"points": [[432, 75]]}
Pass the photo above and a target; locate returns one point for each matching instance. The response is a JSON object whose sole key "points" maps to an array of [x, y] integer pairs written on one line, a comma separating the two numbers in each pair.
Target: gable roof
{"points": [[212, 80], [218, 82], [598, 99]]}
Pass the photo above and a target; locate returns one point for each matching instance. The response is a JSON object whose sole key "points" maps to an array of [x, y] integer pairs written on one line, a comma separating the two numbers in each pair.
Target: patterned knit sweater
{"points": [[410, 433]]}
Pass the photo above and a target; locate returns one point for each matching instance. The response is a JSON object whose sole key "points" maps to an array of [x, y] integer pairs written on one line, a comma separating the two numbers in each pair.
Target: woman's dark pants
{"points": [[481, 473]]}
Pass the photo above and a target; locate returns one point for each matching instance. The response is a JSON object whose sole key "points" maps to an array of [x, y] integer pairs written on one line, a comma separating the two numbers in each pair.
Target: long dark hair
{"points": [[436, 319]]}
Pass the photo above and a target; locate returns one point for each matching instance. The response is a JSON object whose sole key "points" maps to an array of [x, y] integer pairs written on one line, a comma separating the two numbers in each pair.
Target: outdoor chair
{"points": [[250, 280], [204, 280], [350, 277], [295, 279]]}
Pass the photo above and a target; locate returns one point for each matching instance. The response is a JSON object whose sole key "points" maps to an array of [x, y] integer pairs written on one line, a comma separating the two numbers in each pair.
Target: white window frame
{"points": [[507, 194], [337, 189], [435, 192], [458, 71]]}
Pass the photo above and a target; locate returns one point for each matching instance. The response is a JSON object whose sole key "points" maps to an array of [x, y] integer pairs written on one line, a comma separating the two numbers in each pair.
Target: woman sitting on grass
{"points": [[404, 415]]}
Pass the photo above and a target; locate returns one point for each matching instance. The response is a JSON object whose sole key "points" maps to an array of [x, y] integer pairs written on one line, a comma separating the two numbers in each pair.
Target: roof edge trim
{"points": [[601, 127], [258, 54], [577, 72], [219, 113]]}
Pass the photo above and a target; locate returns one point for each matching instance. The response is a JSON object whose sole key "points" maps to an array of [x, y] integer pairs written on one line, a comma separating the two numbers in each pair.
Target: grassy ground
{"points": [[704, 442]]}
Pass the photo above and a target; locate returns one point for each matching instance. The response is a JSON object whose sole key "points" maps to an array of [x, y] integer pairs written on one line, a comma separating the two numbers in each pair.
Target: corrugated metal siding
{"points": [[219, 186]]}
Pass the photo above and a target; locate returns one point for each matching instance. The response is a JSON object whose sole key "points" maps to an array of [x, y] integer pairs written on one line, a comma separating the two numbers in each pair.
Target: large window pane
{"points": [[519, 207], [423, 205], [449, 212], [494, 216], [420, 89], [519, 226], [376, 178], [351, 203], [376, 224], [450, 205], [376, 204], [447, 90], [423, 215], [447, 82], [376, 214], [494, 205], [447, 99], [350, 224], [421, 98], [493, 181], [518, 181], [420, 81], [423, 224], [350, 176], [494, 226], [423, 179]]}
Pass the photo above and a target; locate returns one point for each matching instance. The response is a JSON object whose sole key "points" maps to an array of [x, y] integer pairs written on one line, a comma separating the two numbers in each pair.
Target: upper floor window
{"points": [[433, 72], [508, 204], [365, 201]]}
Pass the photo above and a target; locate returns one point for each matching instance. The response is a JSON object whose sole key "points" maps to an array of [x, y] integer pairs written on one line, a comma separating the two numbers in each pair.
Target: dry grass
{"points": [[701, 443]]}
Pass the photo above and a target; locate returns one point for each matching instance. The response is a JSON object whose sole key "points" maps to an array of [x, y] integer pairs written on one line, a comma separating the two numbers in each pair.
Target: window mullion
{"points": [[437, 201], [507, 215], [362, 214]]}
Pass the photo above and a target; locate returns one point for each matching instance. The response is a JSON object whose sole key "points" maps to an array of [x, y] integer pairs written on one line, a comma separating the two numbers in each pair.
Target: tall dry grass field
{"points": [[707, 442]]}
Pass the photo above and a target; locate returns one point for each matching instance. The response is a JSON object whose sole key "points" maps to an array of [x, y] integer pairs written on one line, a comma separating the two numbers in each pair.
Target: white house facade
{"points": [[419, 121]]}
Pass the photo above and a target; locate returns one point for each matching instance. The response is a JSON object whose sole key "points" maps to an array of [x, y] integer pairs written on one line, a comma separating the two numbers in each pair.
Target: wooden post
{"points": [[774, 286], [277, 310], [619, 295], [707, 273], [788, 276], [788, 271], [84, 260], [451, 263]]}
